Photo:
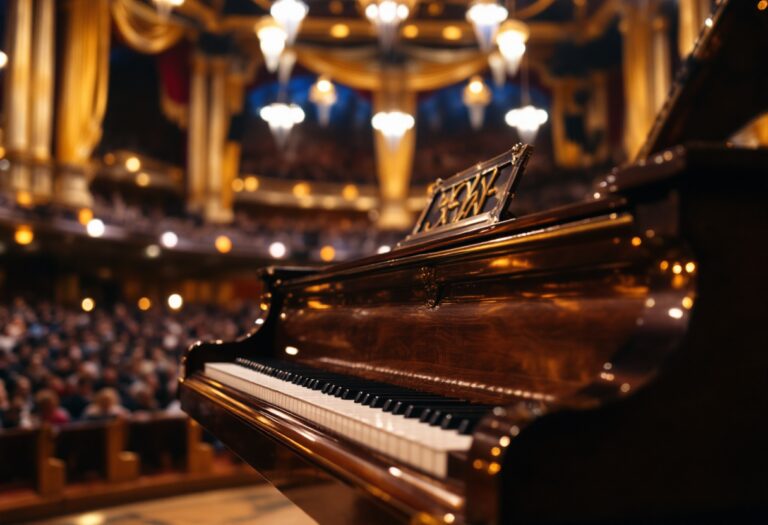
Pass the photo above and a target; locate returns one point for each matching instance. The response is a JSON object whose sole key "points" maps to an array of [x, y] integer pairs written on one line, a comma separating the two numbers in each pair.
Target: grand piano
{"points": [[602, 362]]}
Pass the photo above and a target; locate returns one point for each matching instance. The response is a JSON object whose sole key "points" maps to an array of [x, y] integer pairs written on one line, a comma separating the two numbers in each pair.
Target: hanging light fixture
{"points": [[285, 66], [527, 119], [281, 119], [164, 7], [511, 40], [476, 97], [272, 38], [323, 95], [386, 16], [289, 14], [392, 125], [498, 68], [486, 15]]}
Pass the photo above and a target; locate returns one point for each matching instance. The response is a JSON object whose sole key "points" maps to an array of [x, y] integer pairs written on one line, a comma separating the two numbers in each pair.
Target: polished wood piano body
{"points": [[619, 344]]}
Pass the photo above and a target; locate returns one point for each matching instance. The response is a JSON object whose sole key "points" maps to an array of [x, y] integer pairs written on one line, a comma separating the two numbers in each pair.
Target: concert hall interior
{"points": [[383, 261]]}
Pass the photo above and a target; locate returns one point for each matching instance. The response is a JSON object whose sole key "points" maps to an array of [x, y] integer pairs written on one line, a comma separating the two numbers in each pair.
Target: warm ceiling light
{"points": [[277, 250], [411, 31], [301, 190], [527, 120], [24, 198], [3, 59], [164, 7], [152, 251], [476, 97], [238, 185], [350, 192], [142, 179], [132, 164], [392, 125], [87, 304], [95, 228], [24, 235], [486, 15], [169, 239], [323, 95], [223, 244], [327, 253], [144, 304], [281, 119], [289, 14], [511, 40], [386, 16], [339, 31], [84, 216], [175, 301], [272, 39], [251, 183], [452, 33]]}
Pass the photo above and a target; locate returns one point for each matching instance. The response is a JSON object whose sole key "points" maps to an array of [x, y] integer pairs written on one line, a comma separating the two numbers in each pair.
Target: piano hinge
{"points": [[431, 288]]}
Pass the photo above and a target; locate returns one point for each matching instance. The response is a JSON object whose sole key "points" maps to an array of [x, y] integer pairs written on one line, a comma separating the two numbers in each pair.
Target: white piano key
{"points": [[407, 440]]}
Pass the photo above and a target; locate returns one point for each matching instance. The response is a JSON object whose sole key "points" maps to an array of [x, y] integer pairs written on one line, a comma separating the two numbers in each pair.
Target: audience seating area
{"points": [[50, 470]]}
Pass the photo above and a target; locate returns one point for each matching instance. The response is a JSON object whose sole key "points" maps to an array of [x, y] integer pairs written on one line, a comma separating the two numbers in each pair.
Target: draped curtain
{"points": [[85, 73], [142, 28]]}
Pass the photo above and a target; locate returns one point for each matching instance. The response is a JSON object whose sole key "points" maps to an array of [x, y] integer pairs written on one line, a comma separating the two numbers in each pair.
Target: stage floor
{"points": [[257, 505]]}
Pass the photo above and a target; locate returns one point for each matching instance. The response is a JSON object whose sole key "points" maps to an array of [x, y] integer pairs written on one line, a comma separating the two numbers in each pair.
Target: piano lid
{"points": [[722, 85]]}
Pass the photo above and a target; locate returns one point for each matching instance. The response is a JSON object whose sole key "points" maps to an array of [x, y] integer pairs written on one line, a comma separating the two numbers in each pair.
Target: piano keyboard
{"points": [[412, 427]]}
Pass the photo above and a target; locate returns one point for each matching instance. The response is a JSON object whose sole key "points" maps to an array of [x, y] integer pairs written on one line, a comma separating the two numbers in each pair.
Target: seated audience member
{"points": [[105, 405], [78, 401], [47, 409]]}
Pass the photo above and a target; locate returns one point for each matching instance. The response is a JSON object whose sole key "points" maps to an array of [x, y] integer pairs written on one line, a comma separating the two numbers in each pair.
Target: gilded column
{"points": [[692, 14], [638, 70], [218, 120], [662, 65], [82, 98], [394, 165], [232, 148], [17, 86], [41, 101], [196, 135]]}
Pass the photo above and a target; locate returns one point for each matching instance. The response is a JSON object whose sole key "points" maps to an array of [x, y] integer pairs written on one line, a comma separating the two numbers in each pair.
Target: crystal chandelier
{"points": [[527, 120], [272, 39], [486, 15], [285, 66], [392, 125], [498, 68], [476, 97], [289, 14], [164, 7], [386, 16], [323, 95], [511, 40], [281, 119]]}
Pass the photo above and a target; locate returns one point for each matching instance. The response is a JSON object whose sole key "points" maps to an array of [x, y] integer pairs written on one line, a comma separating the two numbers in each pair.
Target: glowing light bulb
{"points": [[392, 125], [289, 14], [486, 15], [281, 119], [527, 120], [277, 250], [272, 40], [511, 40], [95, 228]]}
